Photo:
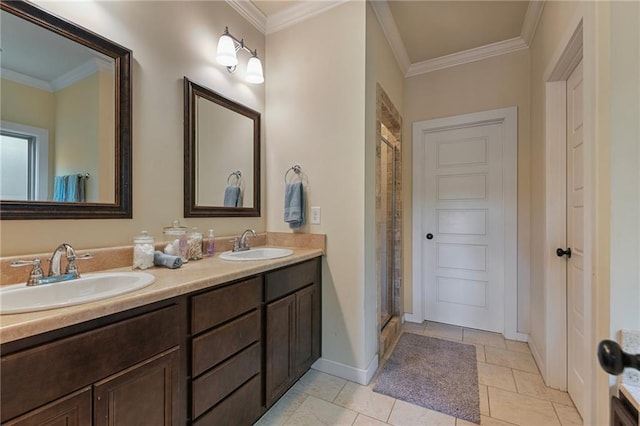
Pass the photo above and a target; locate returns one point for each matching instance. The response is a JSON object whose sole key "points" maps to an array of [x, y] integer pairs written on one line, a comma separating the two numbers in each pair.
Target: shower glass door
{"points": [[386, 229]]}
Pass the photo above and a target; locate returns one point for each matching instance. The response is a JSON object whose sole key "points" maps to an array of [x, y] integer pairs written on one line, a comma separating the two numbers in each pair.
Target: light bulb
{"points": [[254, 71], [226, 54]]}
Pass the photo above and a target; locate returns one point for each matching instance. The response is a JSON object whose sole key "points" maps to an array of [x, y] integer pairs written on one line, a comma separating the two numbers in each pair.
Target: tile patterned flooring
{"points": [[512, 392]]}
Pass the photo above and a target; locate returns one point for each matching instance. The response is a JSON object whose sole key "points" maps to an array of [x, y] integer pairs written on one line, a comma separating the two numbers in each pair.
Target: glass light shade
{"points": [[254, 71], [226, 54]]}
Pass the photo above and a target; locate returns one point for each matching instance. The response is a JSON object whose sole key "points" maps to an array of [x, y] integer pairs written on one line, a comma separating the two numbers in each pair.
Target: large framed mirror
{"points": [[65, 144], [221, 155]]}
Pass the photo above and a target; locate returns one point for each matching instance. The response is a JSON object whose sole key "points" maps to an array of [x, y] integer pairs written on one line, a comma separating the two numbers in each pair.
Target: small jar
{"points": [[194, 245], [176, 235], [143, 249]]}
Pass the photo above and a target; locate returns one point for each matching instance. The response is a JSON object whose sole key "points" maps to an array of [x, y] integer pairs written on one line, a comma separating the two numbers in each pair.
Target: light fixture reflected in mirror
{"points": [[226, 55]]}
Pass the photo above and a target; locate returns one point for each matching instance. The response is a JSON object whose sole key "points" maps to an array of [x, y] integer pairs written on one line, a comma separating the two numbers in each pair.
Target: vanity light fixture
{"points": [[228, 46]]}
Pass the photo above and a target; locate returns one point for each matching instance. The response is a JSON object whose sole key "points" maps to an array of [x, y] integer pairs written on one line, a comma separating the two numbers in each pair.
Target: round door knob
{"points": [[560, 252], [614, 360], [429, 236]]}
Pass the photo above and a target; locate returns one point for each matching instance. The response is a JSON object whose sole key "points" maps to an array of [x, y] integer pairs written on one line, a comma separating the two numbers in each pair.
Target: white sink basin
{"points": [[19, 298], [258, 253]]}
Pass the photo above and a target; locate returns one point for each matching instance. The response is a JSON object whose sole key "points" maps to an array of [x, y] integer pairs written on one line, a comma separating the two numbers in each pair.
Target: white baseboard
{"points": [[412, 318], [520, 337], [347, 372], [538, 358]]}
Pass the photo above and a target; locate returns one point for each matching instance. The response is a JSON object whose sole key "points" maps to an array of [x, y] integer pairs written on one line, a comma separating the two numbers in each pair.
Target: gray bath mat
{"points": [[435, 374]]}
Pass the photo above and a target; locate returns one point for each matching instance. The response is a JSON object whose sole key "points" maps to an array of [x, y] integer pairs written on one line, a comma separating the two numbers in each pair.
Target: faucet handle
{"points": [[36, 273], [72, 268], [236, 243]]}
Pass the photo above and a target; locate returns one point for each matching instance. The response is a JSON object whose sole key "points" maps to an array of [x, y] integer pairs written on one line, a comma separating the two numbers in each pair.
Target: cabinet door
{"points": [[307, 344], [145, 394], [72, 410], [280, 338]]}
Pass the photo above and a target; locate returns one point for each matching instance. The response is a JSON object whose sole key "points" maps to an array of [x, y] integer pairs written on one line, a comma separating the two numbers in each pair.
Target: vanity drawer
{"points": [[216, 345], [215, 385], [290, 279], [243, 407], [217, 306]]}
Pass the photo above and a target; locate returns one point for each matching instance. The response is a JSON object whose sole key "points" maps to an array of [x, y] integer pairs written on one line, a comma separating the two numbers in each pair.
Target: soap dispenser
{"points": [[210, 244]]}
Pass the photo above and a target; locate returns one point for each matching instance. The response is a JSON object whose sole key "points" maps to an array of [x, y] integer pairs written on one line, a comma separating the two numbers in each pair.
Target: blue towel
{"points": [[73, 192], [232, 196], [294, 205], [59, 188]]}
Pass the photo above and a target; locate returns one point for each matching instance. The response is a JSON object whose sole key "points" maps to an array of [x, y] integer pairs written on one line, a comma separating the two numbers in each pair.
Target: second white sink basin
{"points": [[19, 298], [258, 253]]}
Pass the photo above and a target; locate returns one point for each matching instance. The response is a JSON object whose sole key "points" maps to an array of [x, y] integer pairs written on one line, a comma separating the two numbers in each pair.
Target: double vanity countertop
{"points": [[192, 276]]}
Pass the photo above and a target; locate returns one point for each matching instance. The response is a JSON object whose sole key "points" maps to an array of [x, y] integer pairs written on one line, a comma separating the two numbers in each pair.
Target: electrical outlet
{"points": [[315, 215]]}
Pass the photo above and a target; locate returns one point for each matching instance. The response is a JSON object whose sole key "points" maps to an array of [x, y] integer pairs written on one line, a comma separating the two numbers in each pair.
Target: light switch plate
{"points": [[315, 215]]}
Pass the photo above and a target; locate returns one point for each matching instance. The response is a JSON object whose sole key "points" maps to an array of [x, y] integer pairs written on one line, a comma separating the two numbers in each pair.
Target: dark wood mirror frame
{"points": [[191, 209], [121, 208]]}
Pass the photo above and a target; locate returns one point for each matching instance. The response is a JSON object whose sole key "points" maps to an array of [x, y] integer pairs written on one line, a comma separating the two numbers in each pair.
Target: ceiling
{"points": [[426, 30]]}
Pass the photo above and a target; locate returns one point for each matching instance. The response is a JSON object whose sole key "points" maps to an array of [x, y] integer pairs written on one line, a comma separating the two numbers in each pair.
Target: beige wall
{"points": [[178, 38], [27, 105], [32, 107], [77, 131], [315, 103], [106, 135], [625, 165], [497, 82]]}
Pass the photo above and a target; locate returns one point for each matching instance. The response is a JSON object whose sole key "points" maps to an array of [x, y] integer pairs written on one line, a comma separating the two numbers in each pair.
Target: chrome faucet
{"points": [[55, 264], [36, 276], [241, 243]]}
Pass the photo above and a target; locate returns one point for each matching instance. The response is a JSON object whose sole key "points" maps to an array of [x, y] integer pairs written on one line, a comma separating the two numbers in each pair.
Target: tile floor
{"points": [[511, 392]]}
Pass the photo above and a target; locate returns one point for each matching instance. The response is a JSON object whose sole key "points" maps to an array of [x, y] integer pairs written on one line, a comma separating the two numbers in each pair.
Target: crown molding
{"points": [[25, 80], [80, 72], [531, 19], [251, 13], [467, 56], [390, 30], [298, 13]]}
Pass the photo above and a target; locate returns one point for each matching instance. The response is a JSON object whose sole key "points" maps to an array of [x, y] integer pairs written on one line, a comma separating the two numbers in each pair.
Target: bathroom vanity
{"points": [[205, 350]]}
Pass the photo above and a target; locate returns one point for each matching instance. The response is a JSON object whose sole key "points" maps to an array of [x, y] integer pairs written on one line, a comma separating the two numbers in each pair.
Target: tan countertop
{"points": [[632, 393], [192, 276]]}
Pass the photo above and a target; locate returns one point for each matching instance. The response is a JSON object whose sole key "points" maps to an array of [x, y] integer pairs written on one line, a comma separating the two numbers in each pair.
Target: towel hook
{"points": [[237, 174], [295, 168]]}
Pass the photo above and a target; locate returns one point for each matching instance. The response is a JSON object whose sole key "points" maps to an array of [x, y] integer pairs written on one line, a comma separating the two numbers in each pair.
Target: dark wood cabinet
{"points": [[622, 412], [226, 354], [71, 410], [216, 357], [292, 329], [280, 341], [134, 362], [143, 394]]}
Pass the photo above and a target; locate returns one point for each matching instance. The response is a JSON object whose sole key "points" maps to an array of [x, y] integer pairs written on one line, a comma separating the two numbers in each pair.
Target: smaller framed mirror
{"points": [[221, 155]]}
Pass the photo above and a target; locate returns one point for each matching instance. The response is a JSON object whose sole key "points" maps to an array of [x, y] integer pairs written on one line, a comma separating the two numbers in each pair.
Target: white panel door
{"points": [[463, 271], [575, 240]]}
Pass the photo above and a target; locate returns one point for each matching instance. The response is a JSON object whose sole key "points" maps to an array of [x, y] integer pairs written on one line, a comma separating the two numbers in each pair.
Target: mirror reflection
{"points": [[57, 134], [222, 155]]}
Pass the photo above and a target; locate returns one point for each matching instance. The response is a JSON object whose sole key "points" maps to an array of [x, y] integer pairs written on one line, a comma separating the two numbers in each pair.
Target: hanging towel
{"points": [[82, 189], [59, 188], [294, 205], [232, 196], [73, 190]]}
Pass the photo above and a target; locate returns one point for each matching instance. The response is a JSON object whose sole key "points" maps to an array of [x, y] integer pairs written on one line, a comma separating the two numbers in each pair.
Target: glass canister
{"points": [[143, 249], [176, 235], [194, 244]]}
